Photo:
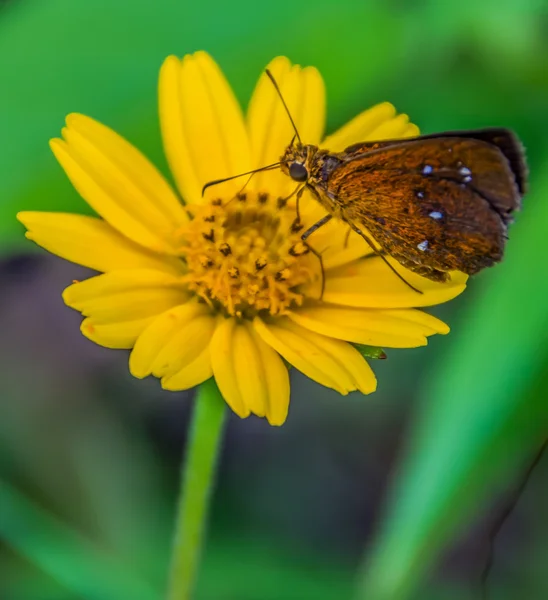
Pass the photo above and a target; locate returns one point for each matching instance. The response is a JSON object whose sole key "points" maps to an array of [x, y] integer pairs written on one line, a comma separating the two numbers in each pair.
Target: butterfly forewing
{"points": [[504, 139], [434, 203]]}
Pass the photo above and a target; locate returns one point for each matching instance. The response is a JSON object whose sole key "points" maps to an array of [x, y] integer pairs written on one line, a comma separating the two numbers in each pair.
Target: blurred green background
{"points": [[413, 477]]}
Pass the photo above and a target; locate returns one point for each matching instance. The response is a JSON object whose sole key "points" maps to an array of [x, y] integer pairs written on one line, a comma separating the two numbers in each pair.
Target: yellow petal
{"points": [[377, 123], [175, 143], [386, 328], [424, 319], [191, 375], [393, 129], [332, 363], [411, 130], [261, 375], [187, 341], [341, 252], [248, 370], [119, 335], [159, 333], [270, 129], [132, 168], [93, 243], [119, 183], [249, 373], [202, 126], [223, 363], [369, 283], [125, 295], [276, 380]]}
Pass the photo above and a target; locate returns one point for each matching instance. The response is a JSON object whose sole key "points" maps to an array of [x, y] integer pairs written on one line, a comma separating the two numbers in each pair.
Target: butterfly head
{"points": [[297, 161]]}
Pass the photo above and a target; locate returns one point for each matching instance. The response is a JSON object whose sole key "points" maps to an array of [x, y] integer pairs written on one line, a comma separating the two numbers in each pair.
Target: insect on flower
{"points": [[435, 203], [221, 285]]}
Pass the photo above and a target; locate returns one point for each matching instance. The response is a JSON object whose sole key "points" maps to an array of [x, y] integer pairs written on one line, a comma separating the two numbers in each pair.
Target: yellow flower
{"points": [[221, 285]]}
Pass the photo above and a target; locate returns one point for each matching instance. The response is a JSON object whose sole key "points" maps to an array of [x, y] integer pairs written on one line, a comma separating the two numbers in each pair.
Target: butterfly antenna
{"points": [[276, 87], [217, 181]]}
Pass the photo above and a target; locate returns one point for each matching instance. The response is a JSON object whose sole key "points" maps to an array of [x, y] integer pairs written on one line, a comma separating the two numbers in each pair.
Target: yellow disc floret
{"points": [[246, 256]]}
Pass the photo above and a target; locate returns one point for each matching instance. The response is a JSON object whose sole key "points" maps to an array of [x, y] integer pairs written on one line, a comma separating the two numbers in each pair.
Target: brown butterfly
{"points": [[435, 203]]}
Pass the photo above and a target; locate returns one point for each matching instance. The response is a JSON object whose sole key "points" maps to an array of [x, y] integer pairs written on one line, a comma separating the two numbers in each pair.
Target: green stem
{"points": [[197, 479]]}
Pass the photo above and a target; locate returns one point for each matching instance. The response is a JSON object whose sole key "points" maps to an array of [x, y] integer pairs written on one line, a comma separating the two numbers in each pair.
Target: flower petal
{"points": [[249, 373], [270, 129], [119, 183], [276, 380], [332, 363], [189, 339], [386, 328], [377, 123], [411, 130], [396, 128], [202, 126], [119, 335], [248, 370], [159, 333], [422, 318], [129, 295], [93, 243], [223, 363], [370, 283], [191, 375]]}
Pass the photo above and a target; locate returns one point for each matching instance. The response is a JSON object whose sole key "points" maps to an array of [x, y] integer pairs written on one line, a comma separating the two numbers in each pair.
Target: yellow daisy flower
{"points": [[221, 285]]}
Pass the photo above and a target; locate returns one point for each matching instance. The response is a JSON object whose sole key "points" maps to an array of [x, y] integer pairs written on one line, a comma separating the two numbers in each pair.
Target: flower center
{"points": [[246, 255]]}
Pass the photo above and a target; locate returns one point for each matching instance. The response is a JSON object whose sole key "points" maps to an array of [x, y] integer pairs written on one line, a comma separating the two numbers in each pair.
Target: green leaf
{"points": [[65, 554], [483, 416], [370, 351]]}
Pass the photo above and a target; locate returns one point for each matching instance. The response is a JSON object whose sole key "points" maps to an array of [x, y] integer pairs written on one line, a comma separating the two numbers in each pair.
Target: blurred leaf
{"points": [[64, 554], [273, 571], [482, 416]]}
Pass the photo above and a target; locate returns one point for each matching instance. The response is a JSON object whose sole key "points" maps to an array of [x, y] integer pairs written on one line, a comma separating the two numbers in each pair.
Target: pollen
{"points": [[245, 256]]}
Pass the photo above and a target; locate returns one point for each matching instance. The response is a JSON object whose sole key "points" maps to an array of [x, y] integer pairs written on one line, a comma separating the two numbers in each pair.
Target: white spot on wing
{"points": [[423, 245], [435, 214], [427, 169]]}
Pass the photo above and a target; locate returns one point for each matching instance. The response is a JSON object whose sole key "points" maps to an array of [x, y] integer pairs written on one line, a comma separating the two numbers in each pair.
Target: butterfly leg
{"points": [[315, 227], [297, 206], [297, 224], [423, 270], [379, 253], [306, 235], [347, 237], [283, 201], [320, 259]]}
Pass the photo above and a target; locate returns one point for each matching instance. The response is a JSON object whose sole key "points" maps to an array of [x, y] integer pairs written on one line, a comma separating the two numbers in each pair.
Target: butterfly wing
{"points": [[435, 204], [504, 139]]}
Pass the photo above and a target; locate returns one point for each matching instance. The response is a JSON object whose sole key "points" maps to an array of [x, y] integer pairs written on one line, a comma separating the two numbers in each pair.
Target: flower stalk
{"points": [[197, 482]]}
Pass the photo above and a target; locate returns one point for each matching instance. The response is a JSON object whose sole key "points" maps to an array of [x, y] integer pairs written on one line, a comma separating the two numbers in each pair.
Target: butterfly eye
{"points": [[298, 172]]}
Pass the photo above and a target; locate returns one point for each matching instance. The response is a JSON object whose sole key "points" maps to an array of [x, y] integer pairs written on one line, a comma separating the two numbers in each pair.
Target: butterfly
{"points": [[435, 203]]}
